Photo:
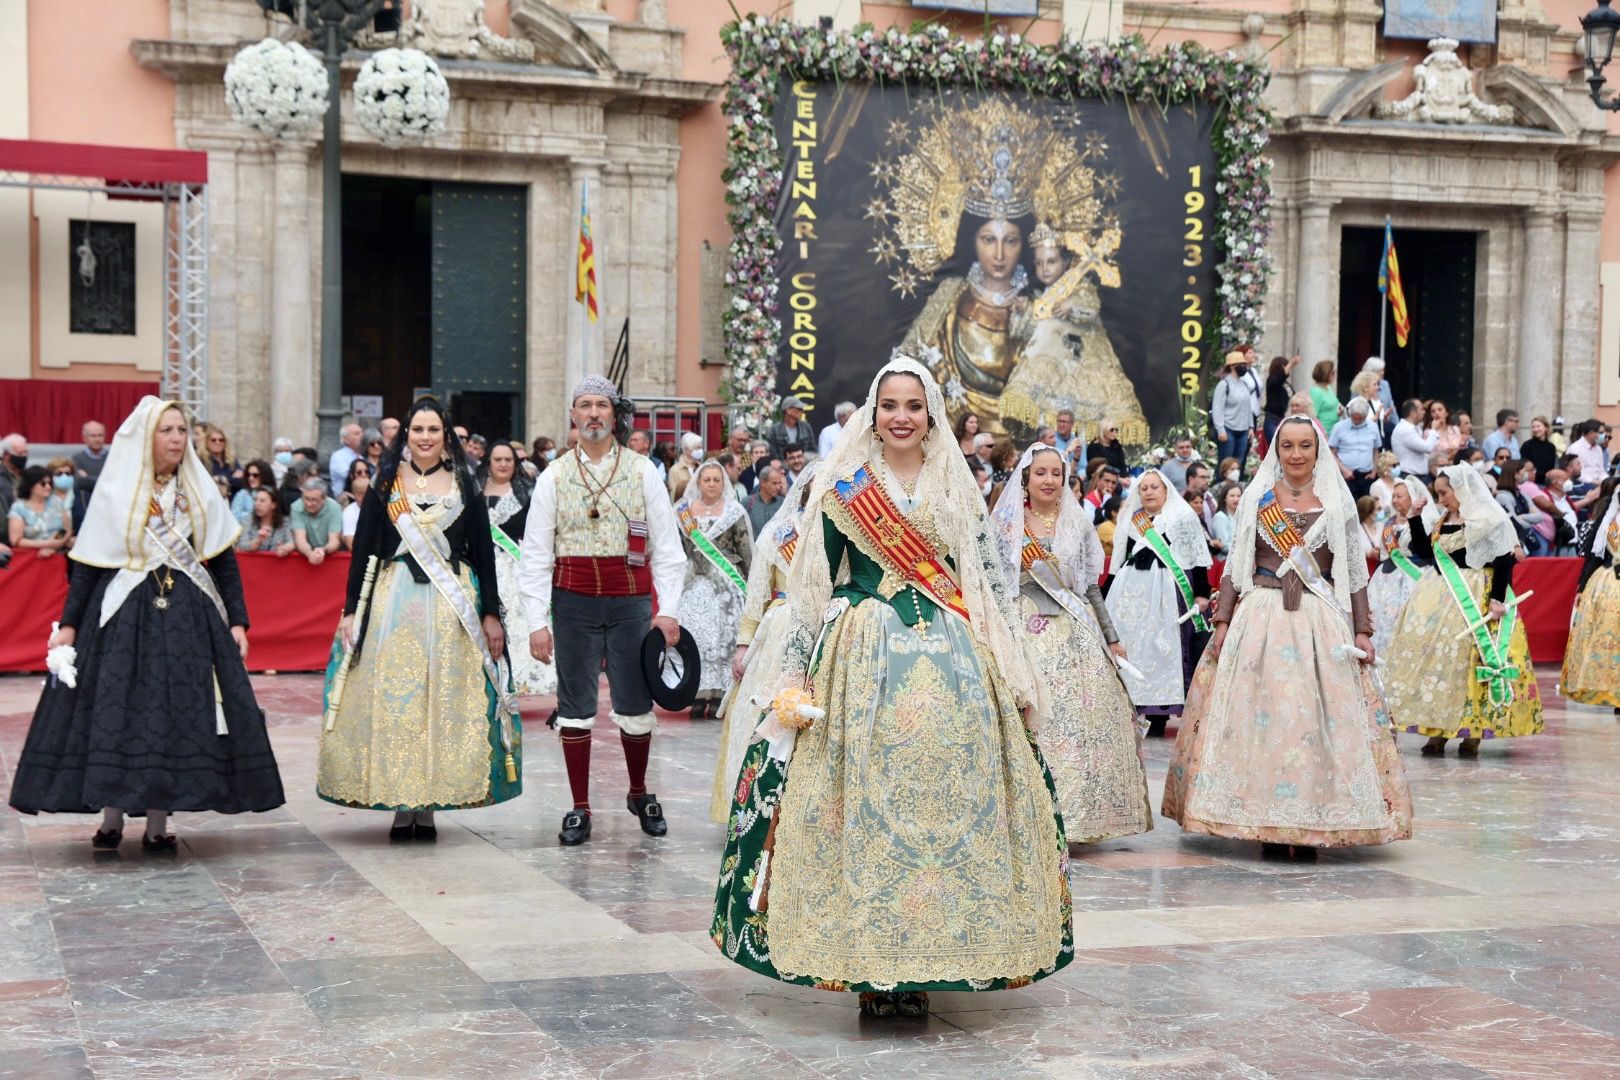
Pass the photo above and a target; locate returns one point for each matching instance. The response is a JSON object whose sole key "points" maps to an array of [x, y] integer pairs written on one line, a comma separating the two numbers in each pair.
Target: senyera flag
{"points": [[585, 276], [1389, 283]]}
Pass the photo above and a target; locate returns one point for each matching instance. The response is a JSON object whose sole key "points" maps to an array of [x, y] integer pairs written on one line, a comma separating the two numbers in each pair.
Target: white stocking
{"points": [[155, 822], [112, 819], [403, 818]]}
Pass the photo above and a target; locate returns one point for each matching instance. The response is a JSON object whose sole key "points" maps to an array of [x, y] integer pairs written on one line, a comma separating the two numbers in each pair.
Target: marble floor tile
{"points": [[301, 943]]}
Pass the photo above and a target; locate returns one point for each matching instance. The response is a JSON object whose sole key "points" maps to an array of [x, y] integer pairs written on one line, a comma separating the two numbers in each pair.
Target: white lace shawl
{"points": [[768, 545], [946, 489], [1176, 521], [1337, 526], [1488, 532], [1076, 546]]}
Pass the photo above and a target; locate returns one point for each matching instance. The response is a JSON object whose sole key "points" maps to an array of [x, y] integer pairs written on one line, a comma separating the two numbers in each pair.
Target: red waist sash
{"points": [[610, 576]]}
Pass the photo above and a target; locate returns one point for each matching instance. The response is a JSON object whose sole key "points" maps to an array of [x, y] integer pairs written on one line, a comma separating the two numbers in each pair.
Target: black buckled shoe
{"points": [[576, 828], [401, 833], [107, 839], [651, 815], [426, 833], [166, 844]]}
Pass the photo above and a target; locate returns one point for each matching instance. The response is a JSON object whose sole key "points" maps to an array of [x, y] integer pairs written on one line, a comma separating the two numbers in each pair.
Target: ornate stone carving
{"points": [[1444, 93], [450, 28]]}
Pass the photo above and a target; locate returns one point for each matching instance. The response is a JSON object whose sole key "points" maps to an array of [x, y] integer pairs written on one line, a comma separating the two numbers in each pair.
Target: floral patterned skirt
{"points": [[1284, 742], [1088, 736], [1592, 657], [712, 611], [917, 846], [1430, 678], [1388, 590], [761, 678]]}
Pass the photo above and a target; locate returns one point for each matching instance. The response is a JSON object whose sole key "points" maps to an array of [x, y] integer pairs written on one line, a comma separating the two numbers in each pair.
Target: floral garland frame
{"points": [[763, 50]]}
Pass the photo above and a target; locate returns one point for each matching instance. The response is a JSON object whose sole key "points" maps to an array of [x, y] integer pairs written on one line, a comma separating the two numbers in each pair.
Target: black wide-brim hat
{"points": [[682, 664]]}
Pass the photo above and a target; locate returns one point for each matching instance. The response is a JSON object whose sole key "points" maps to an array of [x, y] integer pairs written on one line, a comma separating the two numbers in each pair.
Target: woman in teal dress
{"points": [[918, 846]]}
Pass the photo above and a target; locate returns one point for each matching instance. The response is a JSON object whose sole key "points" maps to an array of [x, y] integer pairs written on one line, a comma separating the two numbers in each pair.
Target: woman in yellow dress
{"points": [[1459, 661], [1592, 657]]}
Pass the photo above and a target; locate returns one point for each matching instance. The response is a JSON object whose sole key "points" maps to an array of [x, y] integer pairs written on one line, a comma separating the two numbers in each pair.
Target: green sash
{"points": [[694, 532], [1161, 548], [505, 543], [1494, 670], [1404, 564]]}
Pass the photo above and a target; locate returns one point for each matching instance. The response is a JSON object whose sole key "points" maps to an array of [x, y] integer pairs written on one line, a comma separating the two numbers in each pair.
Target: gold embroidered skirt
{"points": [[918, 842], [417, 728], [1430, 682], [1592, 657]]}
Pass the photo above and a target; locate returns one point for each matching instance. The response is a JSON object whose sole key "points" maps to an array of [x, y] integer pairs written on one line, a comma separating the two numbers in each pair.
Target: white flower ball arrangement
{"points": [[277, 88], [400, 96]]}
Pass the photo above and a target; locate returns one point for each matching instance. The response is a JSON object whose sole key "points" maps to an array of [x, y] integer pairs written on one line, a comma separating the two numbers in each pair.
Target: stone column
{"points": [[292, 339], [1313, 291], [583, 338], [1578, 376], [1540, 308]]}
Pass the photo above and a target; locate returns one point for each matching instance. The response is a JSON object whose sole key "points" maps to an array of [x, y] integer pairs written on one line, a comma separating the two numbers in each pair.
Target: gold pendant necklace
{"points": [[165, 585], [1049, 520]]}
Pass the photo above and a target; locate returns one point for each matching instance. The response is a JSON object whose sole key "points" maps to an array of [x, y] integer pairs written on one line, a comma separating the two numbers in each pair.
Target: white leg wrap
{"points": [[578, 725], [635, 725]]}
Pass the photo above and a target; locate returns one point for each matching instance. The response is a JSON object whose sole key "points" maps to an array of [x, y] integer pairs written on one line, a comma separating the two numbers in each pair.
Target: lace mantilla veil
{"points": [[1176, 522], [1075, 542], [945, 488], [1337, 526], [1488, 532], [732, 508], [767, 546]]}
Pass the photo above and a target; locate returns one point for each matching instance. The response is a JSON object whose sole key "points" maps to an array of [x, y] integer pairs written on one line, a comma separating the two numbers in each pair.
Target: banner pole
{"points": [[1383, 299]]}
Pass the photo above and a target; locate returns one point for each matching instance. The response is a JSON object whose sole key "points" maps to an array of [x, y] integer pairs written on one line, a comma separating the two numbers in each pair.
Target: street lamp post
{"points": [[1600, 25], [334, 23]]}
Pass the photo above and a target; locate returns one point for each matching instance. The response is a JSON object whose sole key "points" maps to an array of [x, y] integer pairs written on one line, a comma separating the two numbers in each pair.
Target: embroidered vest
{"points": [[605, 536]]}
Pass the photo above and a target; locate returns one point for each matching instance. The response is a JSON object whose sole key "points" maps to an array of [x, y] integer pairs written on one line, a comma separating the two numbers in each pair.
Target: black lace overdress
{"points": [[139, 732]]}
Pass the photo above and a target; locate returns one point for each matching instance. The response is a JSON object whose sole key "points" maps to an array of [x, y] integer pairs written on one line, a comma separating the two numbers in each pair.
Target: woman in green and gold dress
{"points": [[425, 719], [1591, 672], [1443, 682], [918, 845]]}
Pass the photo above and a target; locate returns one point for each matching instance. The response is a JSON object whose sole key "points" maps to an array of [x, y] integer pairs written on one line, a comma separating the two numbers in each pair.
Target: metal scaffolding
{"points": [[178, 179]]}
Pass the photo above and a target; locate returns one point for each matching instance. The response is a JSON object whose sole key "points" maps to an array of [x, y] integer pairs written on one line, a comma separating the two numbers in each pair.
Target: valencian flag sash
{"points": [[1150, 536], [693, 528], [1495, 670], [787, 542], [1389, 283], [896, 544], [1283, 536], [1033, 552]]}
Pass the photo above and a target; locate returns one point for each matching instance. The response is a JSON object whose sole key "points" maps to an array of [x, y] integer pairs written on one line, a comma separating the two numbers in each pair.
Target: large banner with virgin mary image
{"points": [[1038, 254]]}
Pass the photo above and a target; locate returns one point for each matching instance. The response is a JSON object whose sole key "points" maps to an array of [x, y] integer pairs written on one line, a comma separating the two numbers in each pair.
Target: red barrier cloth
{"points": [[55, 410], [294, 609]]}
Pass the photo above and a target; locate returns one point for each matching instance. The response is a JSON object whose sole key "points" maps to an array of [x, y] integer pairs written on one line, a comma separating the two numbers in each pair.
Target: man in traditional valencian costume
{"points": [[601, 538]]}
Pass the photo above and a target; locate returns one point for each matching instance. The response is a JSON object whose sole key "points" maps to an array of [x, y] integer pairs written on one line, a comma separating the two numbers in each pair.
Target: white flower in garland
{"points": [[276, 88], [400, 96]]}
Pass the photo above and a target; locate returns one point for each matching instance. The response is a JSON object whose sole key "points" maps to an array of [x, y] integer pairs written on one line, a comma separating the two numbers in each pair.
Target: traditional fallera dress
{"points": [[1592, 658], [1391, 584], [766, 624], [508, 516], [908, 839], [1440, 681], [1285, 738], [1088, 732], [719, 551], [162, 716], [1159, 571], [427, 719]]}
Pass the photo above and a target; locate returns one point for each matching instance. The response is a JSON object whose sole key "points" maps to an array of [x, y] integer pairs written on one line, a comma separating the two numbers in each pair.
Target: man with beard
{"points": [[601, 536]]}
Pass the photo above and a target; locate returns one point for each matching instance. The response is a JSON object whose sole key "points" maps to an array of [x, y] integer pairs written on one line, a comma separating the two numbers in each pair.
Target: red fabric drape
{"points": [[56, 410], [294, 609]]}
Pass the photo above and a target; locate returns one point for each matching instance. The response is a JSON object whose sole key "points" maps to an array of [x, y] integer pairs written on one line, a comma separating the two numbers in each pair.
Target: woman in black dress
{"points": [[162, 716]]}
